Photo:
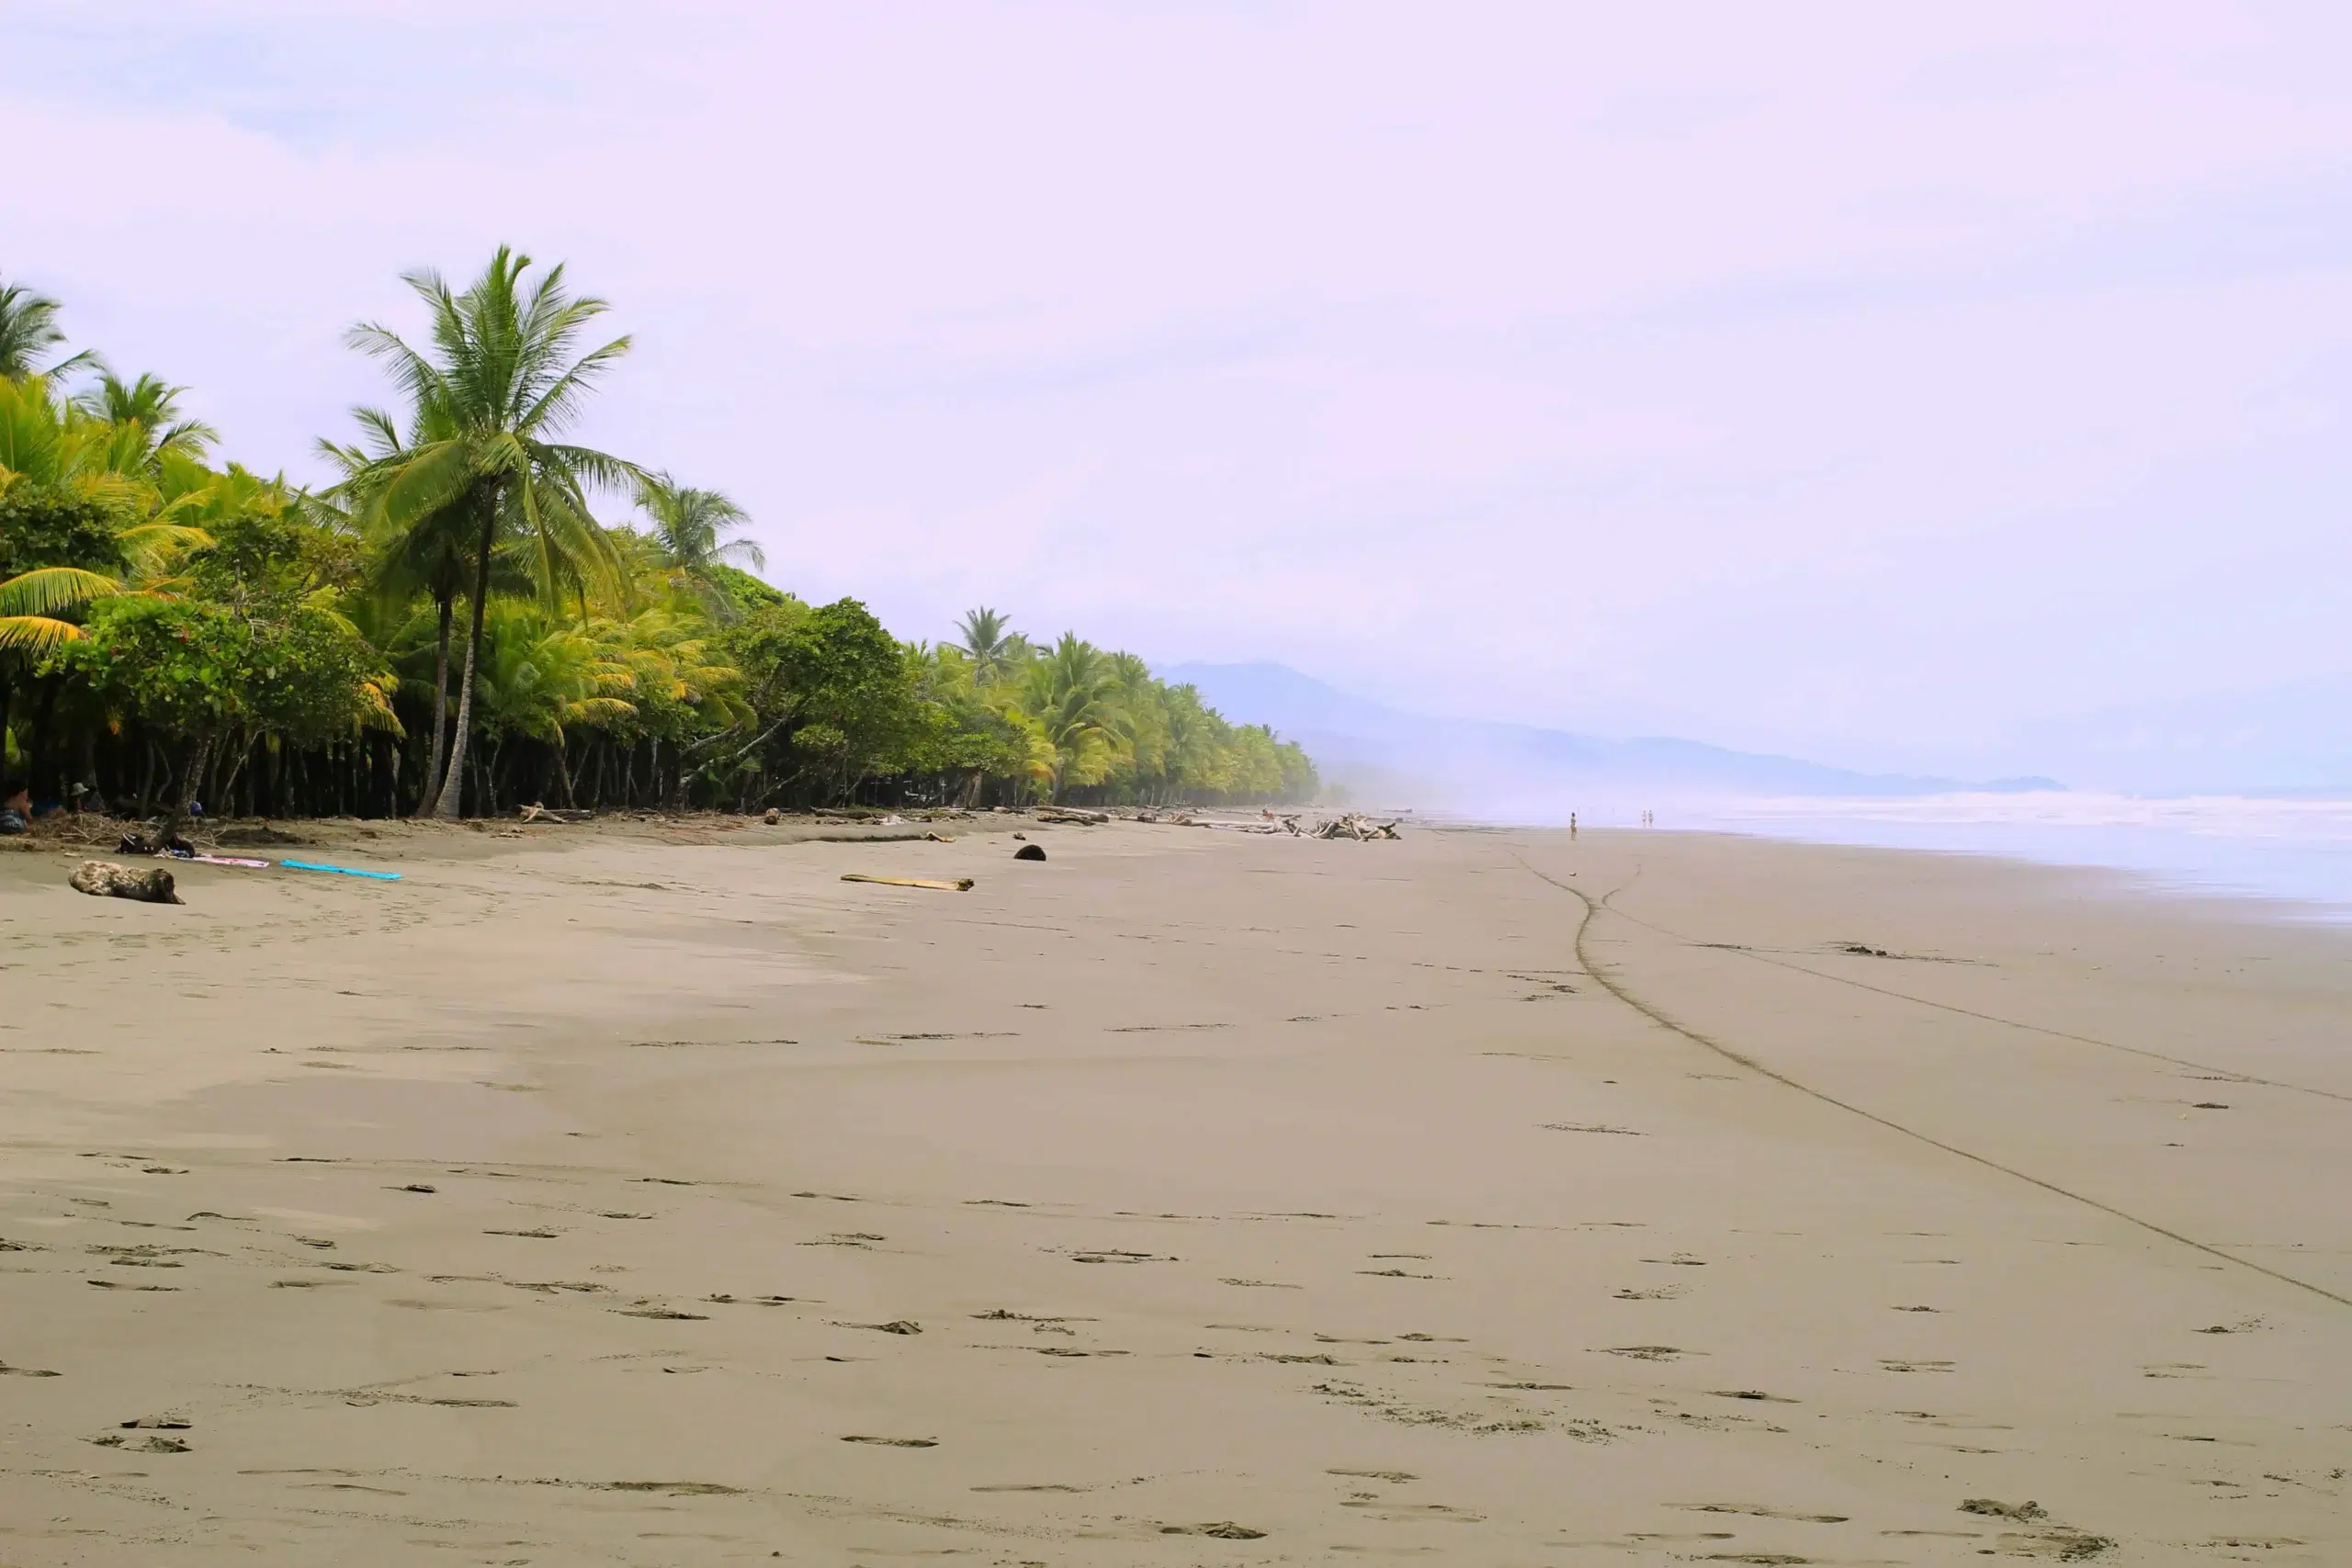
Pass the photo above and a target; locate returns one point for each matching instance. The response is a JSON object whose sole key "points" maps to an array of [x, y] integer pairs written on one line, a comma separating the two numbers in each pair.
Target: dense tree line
{"points": [[449, 627]]}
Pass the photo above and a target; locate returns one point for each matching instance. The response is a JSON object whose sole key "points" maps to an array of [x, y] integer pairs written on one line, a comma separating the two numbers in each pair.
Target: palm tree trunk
{"points": [[445, 806], [440, 711]]}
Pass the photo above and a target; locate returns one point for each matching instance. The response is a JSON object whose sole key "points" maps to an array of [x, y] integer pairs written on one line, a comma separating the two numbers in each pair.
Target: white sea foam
{"points": [[2290, 847]]}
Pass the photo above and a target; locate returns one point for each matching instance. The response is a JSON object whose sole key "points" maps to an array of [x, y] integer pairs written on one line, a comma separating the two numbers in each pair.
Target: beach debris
{"points": [[1352, 825], [1222, 1529], [340, 870], [104, 879], [1021, 836], [1030, 851], [2026, 1512], [894, 1442], [1065, 813], [135, 844], [534, 812], [230, 860], [938, 839], [961, 883], [772, 816], [257, 833]]}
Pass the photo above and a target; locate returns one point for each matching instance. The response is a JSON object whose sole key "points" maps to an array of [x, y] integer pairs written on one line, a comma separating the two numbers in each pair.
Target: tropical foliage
{"points": [[451, 625]]}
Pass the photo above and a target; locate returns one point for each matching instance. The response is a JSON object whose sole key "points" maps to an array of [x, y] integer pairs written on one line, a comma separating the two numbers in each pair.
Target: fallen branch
{"points": [[961, 884]]}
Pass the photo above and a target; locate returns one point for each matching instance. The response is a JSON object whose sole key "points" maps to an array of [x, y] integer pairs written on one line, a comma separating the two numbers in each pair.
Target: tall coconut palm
{"points": [[994, 647], [28, 331], [690, 527], [145, 420], [431, 553], [503, 380]]}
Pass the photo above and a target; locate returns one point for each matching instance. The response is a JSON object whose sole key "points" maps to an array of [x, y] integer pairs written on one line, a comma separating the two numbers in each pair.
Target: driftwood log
{"points": [[1064, 813], [104, 879], [961, 883]]}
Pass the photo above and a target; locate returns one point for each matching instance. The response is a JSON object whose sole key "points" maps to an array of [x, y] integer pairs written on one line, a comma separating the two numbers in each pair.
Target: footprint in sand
{"points": [[1757, 1511]]}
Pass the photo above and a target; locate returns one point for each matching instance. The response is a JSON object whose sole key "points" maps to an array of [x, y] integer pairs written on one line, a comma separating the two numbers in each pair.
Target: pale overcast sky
{"points": [[1859, 381]]}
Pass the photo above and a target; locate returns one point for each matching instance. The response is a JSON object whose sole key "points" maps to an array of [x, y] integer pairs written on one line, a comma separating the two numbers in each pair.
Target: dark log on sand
{"points": [[104, 879]]}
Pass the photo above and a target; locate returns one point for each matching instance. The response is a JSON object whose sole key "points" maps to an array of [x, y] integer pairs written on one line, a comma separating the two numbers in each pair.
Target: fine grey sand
{"points": [[1188, 1198]]}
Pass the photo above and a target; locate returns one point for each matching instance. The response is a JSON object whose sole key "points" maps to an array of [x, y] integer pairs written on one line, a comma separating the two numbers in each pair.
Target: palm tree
{"points": [[146, 422], [47, 447], [689, 525], [429, 553], [994, 647], [27, 331], [501, 382], [1073, 697]]}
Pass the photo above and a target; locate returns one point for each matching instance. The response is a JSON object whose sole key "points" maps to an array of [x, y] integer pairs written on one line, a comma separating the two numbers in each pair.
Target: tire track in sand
{"points": [[1617, 988]]}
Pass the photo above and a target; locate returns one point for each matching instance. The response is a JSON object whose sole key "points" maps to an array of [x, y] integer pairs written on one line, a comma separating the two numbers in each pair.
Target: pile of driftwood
{"points": [[1361, 829], [1351, 826]]}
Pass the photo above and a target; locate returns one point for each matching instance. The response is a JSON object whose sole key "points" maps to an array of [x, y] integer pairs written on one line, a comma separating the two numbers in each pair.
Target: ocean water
{"points": [[2295, 850]]}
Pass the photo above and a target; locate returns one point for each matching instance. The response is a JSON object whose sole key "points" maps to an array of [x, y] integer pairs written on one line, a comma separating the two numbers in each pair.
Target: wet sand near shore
{"points": [[1188, 1198]]}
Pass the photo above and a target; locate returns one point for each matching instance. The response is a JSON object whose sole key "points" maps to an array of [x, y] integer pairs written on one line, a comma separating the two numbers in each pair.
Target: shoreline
{"points": [[2309, 877], [1475, 1194]]}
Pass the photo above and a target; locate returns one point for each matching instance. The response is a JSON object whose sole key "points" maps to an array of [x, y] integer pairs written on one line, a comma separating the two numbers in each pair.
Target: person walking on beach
{"points": [[1572, 825]]}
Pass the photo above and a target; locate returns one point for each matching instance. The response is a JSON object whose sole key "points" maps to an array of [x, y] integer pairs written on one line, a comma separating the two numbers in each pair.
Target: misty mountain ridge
{"points": [[1383, 754]]}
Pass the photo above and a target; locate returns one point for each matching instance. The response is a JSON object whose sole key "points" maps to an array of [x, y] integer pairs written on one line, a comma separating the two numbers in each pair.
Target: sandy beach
{"points": [[655, 1196]]}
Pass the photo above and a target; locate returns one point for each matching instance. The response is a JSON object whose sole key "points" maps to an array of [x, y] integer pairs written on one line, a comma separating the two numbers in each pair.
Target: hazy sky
{"points": [[1842, 380]]}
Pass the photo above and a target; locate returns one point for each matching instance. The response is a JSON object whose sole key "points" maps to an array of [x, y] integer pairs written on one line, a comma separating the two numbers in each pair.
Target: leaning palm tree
{"points": [[689, 529], [28, 331], [502, 381]]}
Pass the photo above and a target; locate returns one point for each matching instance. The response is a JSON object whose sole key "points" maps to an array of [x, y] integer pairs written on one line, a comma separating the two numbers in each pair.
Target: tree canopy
{"points": [[479, 612]]}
